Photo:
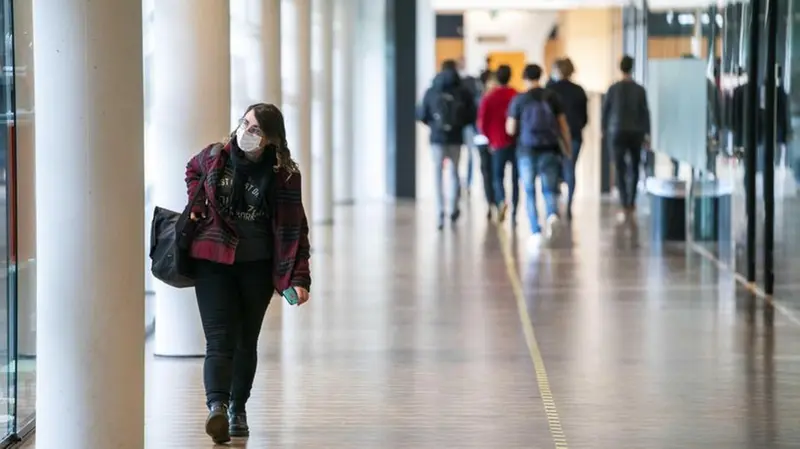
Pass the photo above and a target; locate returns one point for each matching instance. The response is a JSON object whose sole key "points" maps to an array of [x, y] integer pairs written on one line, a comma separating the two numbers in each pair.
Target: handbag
{"points": [[171, 235]]}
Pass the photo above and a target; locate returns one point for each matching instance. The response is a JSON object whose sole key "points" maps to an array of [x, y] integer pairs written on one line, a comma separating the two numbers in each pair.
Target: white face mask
{"points": [[248, 142]]}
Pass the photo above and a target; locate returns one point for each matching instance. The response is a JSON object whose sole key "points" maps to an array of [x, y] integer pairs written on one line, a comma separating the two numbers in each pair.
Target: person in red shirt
{"points": [[492, 114]]}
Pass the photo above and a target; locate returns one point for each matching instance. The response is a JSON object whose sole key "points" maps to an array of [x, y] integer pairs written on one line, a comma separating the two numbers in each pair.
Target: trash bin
{"points": [[711, 207], [667, 209]]}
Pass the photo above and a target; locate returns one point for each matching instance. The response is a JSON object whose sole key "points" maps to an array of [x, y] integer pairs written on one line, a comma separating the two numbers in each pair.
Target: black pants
{"points": [[627, 148], [486, 173], [500, 158], [233, 300]]}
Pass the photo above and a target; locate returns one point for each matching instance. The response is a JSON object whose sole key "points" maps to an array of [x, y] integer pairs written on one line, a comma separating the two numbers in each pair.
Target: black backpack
{"points": [[449, 111], [474, 87]]}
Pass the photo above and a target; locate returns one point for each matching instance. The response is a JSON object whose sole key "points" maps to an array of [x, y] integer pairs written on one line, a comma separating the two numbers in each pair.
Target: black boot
{"points": [[237, 420], [217, 423], [454, 216]]}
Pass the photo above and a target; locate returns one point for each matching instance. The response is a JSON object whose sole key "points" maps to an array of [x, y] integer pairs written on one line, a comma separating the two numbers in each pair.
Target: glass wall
{"points": [[732, 64], [17, 210], [7, 250], [787, 155], [719, 34], [23, 217]]}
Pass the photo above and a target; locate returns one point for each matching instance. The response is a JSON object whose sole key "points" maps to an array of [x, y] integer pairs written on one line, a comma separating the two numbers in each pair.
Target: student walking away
{"points": [[537, 117], [447, 108], [555, 74], [573, 98], [476, 89], [492, 115], [251, 241], [626, 123], [484, 150]]}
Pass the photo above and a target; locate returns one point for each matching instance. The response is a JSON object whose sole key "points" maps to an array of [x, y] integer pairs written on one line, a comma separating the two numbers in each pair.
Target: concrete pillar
{"points": [[302, 41], [271, 51], [426, 47], [426, 70], [344, 38], [192, 95], [90, 209], [255, 54], [697, 35], [323, 121], [401, 89]]}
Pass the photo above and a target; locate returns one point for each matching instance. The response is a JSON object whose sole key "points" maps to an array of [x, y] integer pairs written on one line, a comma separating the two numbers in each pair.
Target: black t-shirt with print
{"points": [[253, 225]]}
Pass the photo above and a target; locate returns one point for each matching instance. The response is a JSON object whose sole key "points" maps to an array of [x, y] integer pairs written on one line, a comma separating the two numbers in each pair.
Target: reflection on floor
{"points": [[414, 340]]}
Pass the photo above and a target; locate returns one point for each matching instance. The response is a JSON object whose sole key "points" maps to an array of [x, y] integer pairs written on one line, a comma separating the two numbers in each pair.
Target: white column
{"points": [[697, 36], [426, 46], [323, 121], [302, 38], [271, 51], [426, 70], [192, 94], [345, 19], [90, 210]]}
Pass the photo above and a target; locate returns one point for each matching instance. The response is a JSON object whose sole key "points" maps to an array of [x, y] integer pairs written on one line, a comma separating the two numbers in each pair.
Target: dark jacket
{"points": [[447, 81], [474, 87], [574, 100], [625, 109], [216, 239], [783, 126]]}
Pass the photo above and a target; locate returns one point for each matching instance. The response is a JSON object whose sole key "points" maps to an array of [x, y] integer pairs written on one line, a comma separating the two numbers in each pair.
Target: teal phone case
{"points": [[290, 294]]}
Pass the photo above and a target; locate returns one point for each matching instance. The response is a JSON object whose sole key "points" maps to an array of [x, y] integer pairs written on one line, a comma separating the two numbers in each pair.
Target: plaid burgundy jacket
{"points": [[216, 239]]}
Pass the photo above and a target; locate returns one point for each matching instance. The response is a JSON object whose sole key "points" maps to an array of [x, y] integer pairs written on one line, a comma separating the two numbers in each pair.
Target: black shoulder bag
{"points": [[171, 235]]}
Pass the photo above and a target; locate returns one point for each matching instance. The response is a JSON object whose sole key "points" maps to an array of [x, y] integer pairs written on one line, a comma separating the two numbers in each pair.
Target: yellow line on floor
{"points": [[749, 286], [553, 420]]}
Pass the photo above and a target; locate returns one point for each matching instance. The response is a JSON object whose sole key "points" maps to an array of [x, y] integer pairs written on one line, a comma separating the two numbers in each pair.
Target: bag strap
{"points": [[200, 186], [204, 173]]}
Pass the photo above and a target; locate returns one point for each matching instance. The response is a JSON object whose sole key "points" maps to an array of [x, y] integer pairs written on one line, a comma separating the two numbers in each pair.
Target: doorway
{"points": [[516, 60]]}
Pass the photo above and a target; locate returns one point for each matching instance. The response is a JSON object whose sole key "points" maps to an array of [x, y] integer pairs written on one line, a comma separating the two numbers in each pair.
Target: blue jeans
{"points": [[442, 152], [501, 157], [569, 171], [547, 166], [469, 142]]}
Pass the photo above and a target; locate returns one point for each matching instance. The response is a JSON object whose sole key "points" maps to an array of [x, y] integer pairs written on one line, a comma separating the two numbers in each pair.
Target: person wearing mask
{"points": [[555, 74], [575, 102], [447, 108], [537, 118], [492, 115], [251, 241], [626, 123]]}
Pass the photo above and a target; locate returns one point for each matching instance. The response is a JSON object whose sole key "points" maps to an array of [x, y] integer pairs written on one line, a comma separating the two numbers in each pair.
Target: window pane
{"points": [[24, 208], [7, 246]]}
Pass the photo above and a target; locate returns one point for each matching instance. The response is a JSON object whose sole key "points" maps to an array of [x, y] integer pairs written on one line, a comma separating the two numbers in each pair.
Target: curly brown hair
{"points": [[566, 67], [270, 120]]}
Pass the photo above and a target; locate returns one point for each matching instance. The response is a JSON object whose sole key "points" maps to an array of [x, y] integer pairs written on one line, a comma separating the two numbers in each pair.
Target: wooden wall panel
{"points": [[675, 47], [448, 48]]}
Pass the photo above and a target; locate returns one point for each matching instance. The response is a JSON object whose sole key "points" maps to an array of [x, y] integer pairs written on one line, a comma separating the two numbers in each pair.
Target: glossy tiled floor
{"points": [[414, 339]]}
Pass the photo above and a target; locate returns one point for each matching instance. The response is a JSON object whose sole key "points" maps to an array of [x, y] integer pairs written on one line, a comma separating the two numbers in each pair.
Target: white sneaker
{"points": [[534, 242], [552, 226]]}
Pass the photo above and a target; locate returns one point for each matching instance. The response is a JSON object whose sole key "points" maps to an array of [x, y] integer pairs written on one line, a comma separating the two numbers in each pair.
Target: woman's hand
{"points": [[302, 295]]}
